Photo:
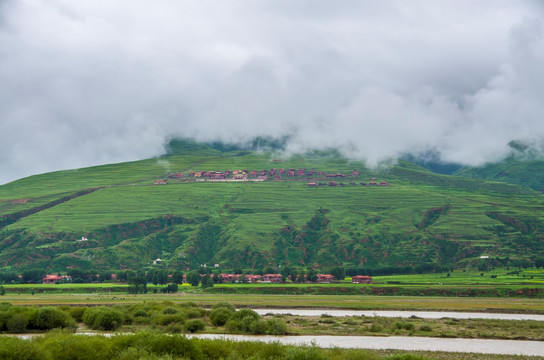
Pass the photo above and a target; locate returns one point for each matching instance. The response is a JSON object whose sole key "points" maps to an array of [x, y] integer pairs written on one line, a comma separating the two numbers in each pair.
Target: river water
{"points": [[505, 347], [401, 314], [482, 346]]}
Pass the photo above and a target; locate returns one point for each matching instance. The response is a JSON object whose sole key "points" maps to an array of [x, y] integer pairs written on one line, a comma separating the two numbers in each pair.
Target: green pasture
{"points": [[353, 302], [266, 207], [493, 277]]}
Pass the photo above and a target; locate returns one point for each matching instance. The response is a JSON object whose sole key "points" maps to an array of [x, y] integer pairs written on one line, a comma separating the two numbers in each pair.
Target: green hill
{"points": [[127, 221], [526, 173]]}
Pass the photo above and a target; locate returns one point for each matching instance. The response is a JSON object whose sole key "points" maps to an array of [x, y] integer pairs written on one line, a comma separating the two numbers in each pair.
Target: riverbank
{"points": [[350, 302], [496, 347], [155, 346]]}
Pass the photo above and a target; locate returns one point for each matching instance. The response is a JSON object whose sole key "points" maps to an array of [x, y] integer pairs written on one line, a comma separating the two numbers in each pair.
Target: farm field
{"points": [[352, 302]]}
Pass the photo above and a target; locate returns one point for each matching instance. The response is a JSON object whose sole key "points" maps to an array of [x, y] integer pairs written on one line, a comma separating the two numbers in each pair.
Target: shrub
{"points": [[425, 328], [169, 319], [64, 346], [189, 304], [175, 328], [405, 326], [141, 320], [224, 304], [375, 328], [170, 310], [140, 313], [109, 320], [17, 323], [243, 313], [193, 313], [48, 318], [77, 312], [276, 327], [303, 353], [220, 316], [244, 320], [103, 318], [12, 348], [194, 325], [257, 327]]}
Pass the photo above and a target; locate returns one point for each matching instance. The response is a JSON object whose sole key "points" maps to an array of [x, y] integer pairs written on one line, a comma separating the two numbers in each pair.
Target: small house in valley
{"points": [[325, 278], [361, 279], [53, 279], [272, 278]]}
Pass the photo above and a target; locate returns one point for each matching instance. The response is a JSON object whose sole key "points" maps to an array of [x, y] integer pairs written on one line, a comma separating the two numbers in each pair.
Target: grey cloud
{"points": [[85, 83]]}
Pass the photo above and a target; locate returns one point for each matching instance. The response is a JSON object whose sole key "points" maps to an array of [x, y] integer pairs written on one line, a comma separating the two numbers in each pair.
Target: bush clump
{"points": [[170, 310], [169, 319], [194, 325], [77, 312], [224, 304], [404, 325], [140, 313], [17, 323], [220, 316], [48, 318], [276, 327], [425, 327], [103, 318]]}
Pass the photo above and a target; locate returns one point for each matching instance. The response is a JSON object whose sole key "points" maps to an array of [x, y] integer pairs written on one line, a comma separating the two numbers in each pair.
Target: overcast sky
{"points": [[92, 82]]}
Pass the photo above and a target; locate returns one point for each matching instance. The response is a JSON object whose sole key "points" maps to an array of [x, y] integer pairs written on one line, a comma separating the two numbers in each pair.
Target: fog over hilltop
{"points": [[92, 82]]}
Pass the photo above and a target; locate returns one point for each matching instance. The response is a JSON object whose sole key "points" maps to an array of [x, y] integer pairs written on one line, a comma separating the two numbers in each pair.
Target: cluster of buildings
{"points": [[237, 278], [272, 174], [277, 278]]}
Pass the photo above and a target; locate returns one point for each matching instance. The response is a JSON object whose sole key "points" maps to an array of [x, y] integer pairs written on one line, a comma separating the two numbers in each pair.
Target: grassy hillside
{"points": [[129, 222], [526, 173]]}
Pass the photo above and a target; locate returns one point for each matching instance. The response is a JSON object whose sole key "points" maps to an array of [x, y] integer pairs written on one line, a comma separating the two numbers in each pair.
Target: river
{"points": [[402, 314], [505, 347]]}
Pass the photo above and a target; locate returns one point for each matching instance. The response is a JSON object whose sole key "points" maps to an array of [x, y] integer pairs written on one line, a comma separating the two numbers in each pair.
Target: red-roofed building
{"points": [[361, 279], [53, 279], [228, 278], [325, 278], [252, 278], [272, 278], [217, 176]]}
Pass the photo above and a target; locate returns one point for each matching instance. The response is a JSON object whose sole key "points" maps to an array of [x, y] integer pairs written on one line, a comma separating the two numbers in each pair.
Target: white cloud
{"points": [[85, 82]]}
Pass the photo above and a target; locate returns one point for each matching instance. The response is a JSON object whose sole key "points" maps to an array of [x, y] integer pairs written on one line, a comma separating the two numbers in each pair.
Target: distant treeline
{"points": [[164, 275]]}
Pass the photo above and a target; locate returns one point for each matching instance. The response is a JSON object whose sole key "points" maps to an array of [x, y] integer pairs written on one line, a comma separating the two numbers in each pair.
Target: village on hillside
{"points": [[317, 178]]}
